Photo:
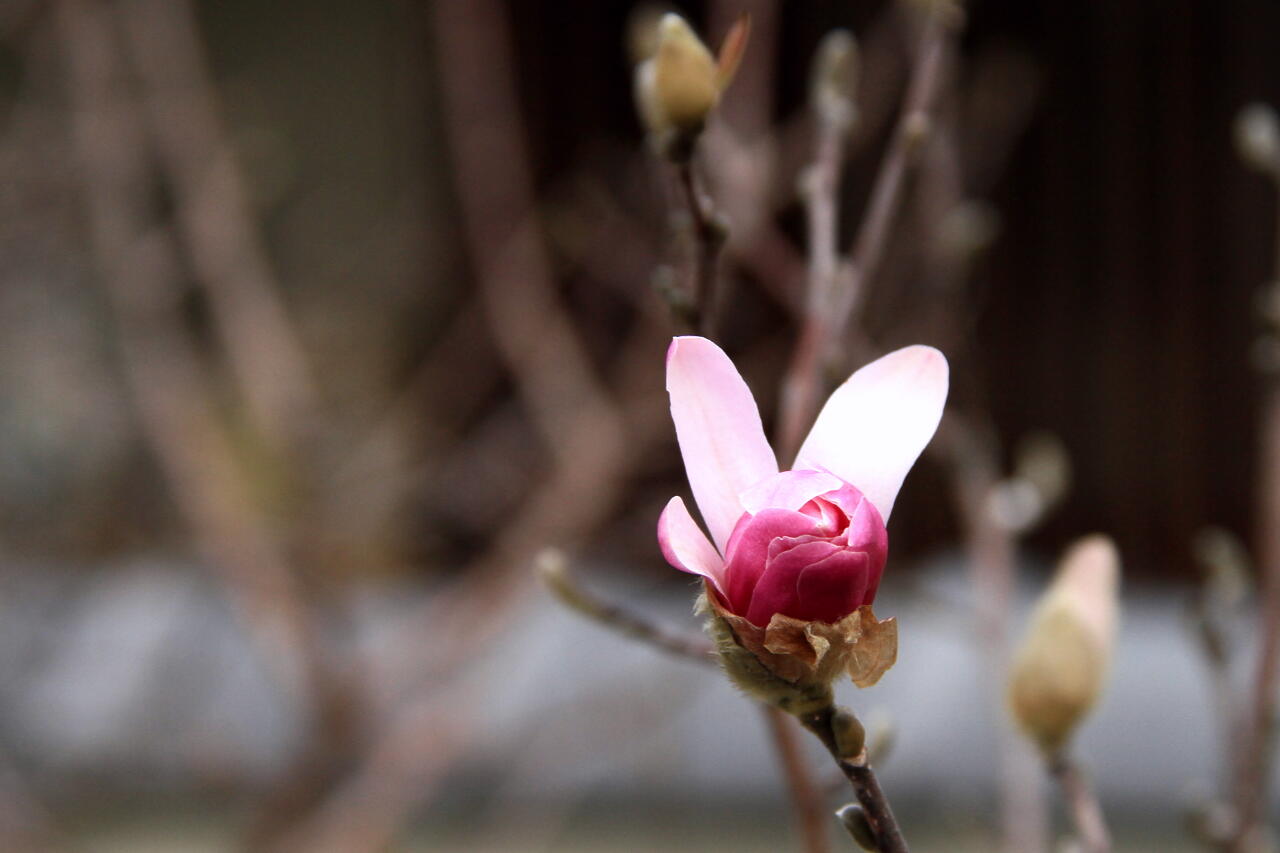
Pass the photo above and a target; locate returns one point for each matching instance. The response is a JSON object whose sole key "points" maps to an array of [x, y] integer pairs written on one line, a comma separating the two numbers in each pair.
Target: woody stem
{"points": [[866, 788]]}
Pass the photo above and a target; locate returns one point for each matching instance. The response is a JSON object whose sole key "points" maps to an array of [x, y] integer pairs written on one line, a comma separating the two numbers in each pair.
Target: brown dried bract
{"points": [[809, 652]]}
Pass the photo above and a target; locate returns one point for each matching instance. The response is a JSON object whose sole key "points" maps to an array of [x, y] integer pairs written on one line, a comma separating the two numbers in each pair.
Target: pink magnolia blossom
{"points": [[809, 543]]}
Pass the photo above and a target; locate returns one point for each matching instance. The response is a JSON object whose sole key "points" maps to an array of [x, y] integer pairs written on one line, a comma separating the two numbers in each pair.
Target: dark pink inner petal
{"points": [[830, 518], [819, 561], [748, 550], [783, 588], [831, 589]]}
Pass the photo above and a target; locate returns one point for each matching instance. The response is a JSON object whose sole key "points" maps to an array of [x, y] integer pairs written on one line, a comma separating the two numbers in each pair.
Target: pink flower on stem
{"points": [[809, 543]]}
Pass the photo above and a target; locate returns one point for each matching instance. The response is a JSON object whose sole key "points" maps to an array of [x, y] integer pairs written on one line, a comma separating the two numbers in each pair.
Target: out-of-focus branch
{"points": [[1258, 741], [990, 547], [412, 754], [994, 510], [834, 111], [826, 326], [137, 261], [25, 823], [1217, 615], [708, 234], [538, 342], [806, 798], [534, 335], [927, 80], [740, 143], [570, 407], [215, 217], [1086, 813]]}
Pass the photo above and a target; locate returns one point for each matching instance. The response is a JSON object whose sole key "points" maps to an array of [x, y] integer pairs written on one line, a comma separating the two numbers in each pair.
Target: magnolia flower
{"points": [[807, 544]]}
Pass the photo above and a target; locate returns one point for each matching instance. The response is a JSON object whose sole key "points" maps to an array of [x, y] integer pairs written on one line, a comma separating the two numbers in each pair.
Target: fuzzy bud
{"points": [[834, 85], [754, 676], [1257, 135], [855, 822], [1060, 669], [968, 229], [792, 663], [676, 87], [1226, 565], [850, 736]]}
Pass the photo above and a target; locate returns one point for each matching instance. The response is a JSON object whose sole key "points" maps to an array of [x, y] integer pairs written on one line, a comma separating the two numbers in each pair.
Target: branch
{"points": [[909, 136], [171, 389], [138, 264], [806, 799], [802, 385], [708, 232], [972, 455], [215, 217], [553, 570], [1257, 744], [834, 302], [862, 779], [1090, 824]]}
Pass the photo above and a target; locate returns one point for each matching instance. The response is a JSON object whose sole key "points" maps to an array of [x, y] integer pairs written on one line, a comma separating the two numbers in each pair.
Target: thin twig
{"points": [[570, 407], [827, 323], [25, 821], [1258, 741], [137, 260], [1086, 812], [864, 783], [740, 145], [805, 796], [830, 307], [554, 572], [170, 386], [215, 219], [927, 79], [971, 453], [708, 233], [802, 385]]}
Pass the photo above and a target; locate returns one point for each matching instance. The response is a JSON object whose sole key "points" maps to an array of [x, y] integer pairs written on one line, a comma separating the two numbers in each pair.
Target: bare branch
{"points": [[884, 826], [1090, 825], [215, 217], [806, 798]]}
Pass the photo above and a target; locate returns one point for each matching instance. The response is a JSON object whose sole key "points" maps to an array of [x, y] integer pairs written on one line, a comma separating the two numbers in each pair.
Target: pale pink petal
{"points": [[788, 490], [718, 425], [875, 425], [685, 545]]}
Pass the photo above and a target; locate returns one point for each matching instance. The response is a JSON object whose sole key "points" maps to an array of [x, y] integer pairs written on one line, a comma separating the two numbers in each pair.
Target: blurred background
{"points": [[320, 320]]}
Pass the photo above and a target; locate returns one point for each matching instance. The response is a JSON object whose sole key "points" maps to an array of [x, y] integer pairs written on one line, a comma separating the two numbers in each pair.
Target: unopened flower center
{"points": [[830, 518]]}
